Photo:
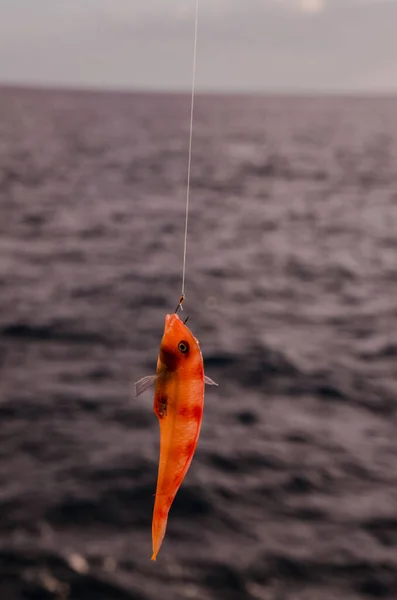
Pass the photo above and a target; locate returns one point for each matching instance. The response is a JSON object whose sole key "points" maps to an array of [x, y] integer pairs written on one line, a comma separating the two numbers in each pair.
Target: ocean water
{"points": [[291, 290]]}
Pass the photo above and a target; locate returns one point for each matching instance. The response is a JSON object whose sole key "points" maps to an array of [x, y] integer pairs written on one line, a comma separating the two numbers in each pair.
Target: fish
{"points": [[178, 404]]}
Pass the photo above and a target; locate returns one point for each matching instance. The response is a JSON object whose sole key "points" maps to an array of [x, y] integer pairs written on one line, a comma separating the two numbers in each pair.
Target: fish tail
{"points": [[159, 524], [158, 533]]}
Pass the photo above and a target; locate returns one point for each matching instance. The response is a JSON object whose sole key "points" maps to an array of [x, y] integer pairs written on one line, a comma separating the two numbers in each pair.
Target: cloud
{"points": [[311, 6], [278, 45]]}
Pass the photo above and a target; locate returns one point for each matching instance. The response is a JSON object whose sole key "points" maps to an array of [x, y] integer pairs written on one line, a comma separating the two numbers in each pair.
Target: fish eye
{"points": [[183, 347]]}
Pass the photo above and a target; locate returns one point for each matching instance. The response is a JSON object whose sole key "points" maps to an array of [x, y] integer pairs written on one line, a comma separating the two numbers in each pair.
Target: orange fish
{"points": [[178, 404]]}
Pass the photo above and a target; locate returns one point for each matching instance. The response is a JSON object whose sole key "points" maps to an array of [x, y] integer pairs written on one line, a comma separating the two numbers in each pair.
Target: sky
{"points": [[294, 46]]}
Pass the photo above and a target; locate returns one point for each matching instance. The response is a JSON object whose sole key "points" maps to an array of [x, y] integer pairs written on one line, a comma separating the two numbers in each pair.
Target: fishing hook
{"points": [[181, 300]]}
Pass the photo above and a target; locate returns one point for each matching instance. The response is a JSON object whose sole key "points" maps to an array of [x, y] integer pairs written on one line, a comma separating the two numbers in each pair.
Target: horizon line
{"points": [[200, 91]]}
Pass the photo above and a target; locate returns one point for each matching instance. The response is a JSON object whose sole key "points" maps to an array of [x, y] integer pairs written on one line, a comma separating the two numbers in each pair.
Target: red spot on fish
{"points": [[191, 412], [184, 411], [190, 448], [197, 412]]}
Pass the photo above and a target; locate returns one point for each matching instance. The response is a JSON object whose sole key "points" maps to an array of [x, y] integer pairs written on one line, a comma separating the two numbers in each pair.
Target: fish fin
{"points": [[144, 384], [209, 381]]}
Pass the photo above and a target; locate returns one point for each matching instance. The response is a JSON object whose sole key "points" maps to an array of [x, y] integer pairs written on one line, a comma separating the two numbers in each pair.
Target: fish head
{"points": [[178, 346]]}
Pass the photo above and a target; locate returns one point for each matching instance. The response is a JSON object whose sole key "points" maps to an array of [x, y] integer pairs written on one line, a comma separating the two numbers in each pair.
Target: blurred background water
{"points": [[291, 290]]}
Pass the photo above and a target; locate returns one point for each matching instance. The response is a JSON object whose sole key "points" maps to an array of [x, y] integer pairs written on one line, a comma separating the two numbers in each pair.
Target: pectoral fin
{"points": [[144, 384], [209, 381]]}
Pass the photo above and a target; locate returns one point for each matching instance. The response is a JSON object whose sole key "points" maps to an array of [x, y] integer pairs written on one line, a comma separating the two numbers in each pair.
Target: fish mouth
{"points": [[171, 320], [173, 333], [174, 326]]}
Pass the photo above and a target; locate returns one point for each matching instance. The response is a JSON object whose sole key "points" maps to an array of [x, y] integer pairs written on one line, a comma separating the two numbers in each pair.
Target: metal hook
{"points": [[181, 300]]}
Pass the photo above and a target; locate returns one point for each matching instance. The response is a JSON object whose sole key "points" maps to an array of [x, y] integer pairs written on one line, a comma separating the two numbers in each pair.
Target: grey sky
{"points": [[275, 45]]}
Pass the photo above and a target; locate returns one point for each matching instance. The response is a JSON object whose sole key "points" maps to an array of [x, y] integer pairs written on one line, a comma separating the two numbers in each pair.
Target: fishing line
{"points": [[190, 154]]}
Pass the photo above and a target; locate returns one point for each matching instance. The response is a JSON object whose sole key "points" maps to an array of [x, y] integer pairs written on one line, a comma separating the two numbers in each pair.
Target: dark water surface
{"points": [[292, 291]]}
